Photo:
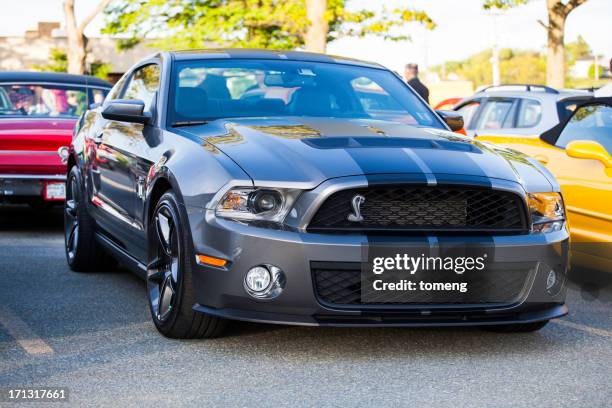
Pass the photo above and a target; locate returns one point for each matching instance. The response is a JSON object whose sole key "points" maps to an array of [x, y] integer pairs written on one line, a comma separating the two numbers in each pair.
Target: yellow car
{"points": [[578, 153]]}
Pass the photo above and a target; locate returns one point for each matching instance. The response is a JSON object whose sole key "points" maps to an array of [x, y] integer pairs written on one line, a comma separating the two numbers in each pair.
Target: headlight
{"points": [[247, 203], [547, 212]]}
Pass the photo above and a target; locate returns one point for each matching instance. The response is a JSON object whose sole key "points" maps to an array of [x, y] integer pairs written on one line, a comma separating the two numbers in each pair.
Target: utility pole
{"points": [[495, 52]]}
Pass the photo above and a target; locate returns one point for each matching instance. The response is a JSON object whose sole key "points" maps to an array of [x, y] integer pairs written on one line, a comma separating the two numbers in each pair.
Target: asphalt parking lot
{"points": [[92, 334]]}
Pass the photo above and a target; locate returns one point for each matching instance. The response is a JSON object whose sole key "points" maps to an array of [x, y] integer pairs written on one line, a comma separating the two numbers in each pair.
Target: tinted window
{"points": [[204, 90], [467, 111], [593, 122], [143, 85], [496, 114], [567, 107], [115, 92], [42, 100], [530, 113]]}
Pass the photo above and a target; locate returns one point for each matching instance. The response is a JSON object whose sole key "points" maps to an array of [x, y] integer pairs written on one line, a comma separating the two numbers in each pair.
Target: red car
{"points": [[38, 112]]}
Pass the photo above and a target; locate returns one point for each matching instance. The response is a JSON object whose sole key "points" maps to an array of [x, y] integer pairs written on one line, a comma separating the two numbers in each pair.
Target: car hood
{"points": [[304, 152]]}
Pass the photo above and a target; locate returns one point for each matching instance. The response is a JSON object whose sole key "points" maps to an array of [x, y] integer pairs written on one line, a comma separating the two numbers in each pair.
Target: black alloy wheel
{"points": [[169, 276], [163, 271], [71, 219]]}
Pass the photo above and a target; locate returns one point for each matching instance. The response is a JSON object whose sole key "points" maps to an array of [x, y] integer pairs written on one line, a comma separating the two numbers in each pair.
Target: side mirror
{"points": [[588, 149], [453, 119], [126, 110]]}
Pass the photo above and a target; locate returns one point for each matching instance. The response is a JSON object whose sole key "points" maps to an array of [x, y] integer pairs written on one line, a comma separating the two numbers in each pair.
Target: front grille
{"points": [[423, 208], [339, 283]]}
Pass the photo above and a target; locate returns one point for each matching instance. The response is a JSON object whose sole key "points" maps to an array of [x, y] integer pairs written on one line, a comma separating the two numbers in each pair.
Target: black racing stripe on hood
{"points": [[398, 160], [438, 162]]}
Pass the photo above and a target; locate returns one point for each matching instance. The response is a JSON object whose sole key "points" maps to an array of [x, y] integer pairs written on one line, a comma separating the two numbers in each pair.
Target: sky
{"points": [[464, 28]]}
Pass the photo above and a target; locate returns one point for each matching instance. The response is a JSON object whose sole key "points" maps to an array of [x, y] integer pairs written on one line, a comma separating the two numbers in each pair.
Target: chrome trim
{"points": [[34, 176], [116, 213], [311, 205], [324, 191], [68, 84]]}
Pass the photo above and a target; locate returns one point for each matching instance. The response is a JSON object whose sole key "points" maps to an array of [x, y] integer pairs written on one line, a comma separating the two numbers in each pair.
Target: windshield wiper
{"points": [[189, 123]]}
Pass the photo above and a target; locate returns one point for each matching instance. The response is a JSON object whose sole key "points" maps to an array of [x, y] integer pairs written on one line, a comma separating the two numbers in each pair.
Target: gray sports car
{"points": [[297, 188]]}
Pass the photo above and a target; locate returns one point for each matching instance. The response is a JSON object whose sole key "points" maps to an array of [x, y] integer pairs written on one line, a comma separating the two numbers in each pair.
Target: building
{"points": [[23, 53]]}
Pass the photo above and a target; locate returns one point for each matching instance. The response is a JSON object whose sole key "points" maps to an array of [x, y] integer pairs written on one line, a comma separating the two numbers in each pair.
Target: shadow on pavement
{"points": [[25, 218]]}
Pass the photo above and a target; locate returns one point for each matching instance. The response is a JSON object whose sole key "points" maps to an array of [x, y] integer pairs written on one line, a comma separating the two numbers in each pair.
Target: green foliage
{"points": [[516, 66], [100, 69], [58, 62], [502, 4], [578, 49], [277, 24], [591, 72]]}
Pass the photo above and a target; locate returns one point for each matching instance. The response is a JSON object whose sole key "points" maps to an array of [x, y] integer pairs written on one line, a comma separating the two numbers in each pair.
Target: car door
{"points": [[118, 166], [586, 184]]}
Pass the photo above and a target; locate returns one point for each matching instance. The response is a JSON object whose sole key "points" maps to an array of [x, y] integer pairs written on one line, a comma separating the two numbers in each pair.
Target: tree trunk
{"points": [[77, 42], [555, 59], [316, 35]]}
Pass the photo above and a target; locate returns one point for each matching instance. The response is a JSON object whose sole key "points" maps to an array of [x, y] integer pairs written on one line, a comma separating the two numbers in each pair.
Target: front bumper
{"points": [[16, 188], [220, 291]]}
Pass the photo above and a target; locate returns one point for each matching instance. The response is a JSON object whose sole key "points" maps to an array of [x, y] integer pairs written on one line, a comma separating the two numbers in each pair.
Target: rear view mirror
{"points": [[126, 110], [588, 149], [453, 119]]}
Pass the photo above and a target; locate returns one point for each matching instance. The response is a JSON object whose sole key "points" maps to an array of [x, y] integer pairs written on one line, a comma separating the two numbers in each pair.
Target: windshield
{"points": [[206, 90], [46, 100]]}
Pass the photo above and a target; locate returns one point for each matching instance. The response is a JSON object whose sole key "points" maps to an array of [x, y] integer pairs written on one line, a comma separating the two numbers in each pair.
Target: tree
{"points": [[516, 67], [558, 10], [316, 33], [576, 50], [77, 42], [58, 62], [277, 24]]}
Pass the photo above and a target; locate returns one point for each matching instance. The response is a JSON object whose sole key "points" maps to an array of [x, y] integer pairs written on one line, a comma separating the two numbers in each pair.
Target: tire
{"points": [[517, 328], [169, 276], [83, 253]]}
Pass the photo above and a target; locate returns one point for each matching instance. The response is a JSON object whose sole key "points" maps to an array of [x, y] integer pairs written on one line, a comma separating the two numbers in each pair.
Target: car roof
{"points": [[53, 77], [539, 95], [245, 53]]}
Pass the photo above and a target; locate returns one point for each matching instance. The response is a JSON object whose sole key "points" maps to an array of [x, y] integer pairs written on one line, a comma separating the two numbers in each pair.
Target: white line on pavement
{"points": [[22, 333], [588, 329]]}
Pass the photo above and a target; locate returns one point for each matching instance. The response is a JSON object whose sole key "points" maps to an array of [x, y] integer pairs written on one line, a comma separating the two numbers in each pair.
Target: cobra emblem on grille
{"points": [[356, 202]]}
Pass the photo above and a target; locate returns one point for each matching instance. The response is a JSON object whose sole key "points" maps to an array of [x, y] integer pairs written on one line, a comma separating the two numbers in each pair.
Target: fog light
{"points": [[551, 280], [258, 279], [554, 279], [264, 281]]}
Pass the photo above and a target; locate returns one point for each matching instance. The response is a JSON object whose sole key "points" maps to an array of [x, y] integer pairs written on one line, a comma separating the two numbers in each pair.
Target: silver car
{"points": [[298, 188], [517, 109]]}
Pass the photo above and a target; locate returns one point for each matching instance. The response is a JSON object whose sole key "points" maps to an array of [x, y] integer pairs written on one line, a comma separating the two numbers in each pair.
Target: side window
{"points": [[115, 92], [143, 85], [467, 111], [496, 114], [566, 108], [530, 113], [591, 122]]}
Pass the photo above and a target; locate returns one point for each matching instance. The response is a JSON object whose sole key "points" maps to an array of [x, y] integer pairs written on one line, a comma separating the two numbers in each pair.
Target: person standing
{"points": [[411, 74]]}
